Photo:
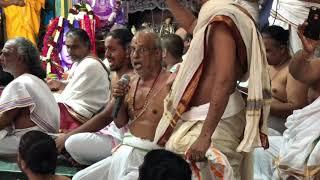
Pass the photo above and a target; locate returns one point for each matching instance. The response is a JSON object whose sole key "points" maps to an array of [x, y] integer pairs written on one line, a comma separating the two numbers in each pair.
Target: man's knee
{"points": [[74, 142]]}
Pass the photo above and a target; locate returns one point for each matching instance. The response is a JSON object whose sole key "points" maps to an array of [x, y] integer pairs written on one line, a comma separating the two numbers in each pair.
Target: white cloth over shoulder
{"points": [[289, 14], [300, 152], [29, 91], [88, 87]]}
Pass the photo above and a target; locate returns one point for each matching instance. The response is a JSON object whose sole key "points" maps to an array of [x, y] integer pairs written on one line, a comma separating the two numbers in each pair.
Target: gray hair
{"points": [[30, 54]]}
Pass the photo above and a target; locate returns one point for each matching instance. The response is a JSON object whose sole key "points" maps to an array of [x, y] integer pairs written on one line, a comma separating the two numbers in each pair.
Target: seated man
{"points": [[85, 145], [37, 156], [297, 152], [87, 88], [143, 105], [287, 93], [172, 51], [26, 103]]}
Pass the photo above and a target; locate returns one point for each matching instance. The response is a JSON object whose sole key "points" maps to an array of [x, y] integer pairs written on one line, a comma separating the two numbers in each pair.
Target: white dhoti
{"points": [[123, 164], [263, 163], [299, 155], [9, 143], [89, 148]]}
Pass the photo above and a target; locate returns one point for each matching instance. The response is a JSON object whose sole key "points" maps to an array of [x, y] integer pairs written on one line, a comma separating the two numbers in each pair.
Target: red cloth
{"points": [[67, 122]]}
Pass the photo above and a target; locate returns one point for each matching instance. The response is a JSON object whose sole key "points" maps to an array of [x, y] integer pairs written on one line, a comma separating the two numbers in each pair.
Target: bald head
{"points": [[151, 39]]}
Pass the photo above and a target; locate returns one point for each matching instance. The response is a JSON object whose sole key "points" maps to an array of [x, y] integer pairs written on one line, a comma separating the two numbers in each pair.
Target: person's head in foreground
{"points": [[37, 156], [164, 165]]}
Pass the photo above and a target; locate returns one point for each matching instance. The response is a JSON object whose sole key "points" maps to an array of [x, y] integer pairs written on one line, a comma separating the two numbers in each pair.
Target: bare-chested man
{"points": [[141, 110], [288, 94], [86, 147], [203, 99]]}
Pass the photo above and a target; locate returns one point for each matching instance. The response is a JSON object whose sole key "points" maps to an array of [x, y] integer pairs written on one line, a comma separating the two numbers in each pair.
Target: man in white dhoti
{"points": [[289, 14], [143, 105], [203, 108], [297, 152], [26, 103], [86, 145], [87, 88]]}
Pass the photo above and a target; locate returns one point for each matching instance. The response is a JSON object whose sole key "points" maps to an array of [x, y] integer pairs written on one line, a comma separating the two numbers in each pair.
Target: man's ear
{"points": [[21, 163], [164, 53], [20, 59]]}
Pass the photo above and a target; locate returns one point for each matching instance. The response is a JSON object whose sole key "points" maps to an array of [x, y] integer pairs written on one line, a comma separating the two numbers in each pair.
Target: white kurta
{"points": [[88, 88]]}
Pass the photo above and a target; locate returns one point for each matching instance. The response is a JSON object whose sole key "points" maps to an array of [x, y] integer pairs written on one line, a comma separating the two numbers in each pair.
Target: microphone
{"points": [[125, 79]]}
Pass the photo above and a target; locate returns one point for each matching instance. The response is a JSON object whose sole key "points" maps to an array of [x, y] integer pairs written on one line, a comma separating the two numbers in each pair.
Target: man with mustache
{"points": [[141, 111], [90, 144]]}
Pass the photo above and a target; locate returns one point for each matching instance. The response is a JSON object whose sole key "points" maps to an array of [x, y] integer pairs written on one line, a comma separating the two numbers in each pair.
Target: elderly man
{"points": [[203, 108], [84, 144], [26, 103], [87, 88], [141, 110]]}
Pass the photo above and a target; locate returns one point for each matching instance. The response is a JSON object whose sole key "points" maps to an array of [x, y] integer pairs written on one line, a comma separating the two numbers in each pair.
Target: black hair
{"points": [[164, 165], [277, 33], [174, 44], [5, 78], [31, 56], [123, 35], [81, 34], [39, 152]]}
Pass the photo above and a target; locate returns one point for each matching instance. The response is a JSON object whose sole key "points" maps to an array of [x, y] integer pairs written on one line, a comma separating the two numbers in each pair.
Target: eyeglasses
{"points": [[141, 50]]}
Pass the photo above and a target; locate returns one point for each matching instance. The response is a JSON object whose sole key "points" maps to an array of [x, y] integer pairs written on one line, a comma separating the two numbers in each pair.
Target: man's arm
{"points": [[8, 117], [11, 2], [184, 16], [56, 85], [304, 69], [95, 124], [297, 97], [224, 71], [301, 67]]}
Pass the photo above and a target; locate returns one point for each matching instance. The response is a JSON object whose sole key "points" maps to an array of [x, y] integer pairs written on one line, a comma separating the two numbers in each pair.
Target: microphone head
{"points": [[125, 79]]}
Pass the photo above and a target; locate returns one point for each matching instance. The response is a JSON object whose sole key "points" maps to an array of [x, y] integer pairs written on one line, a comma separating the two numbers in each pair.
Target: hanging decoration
{"points": [[142, 5], [110, 12]]}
